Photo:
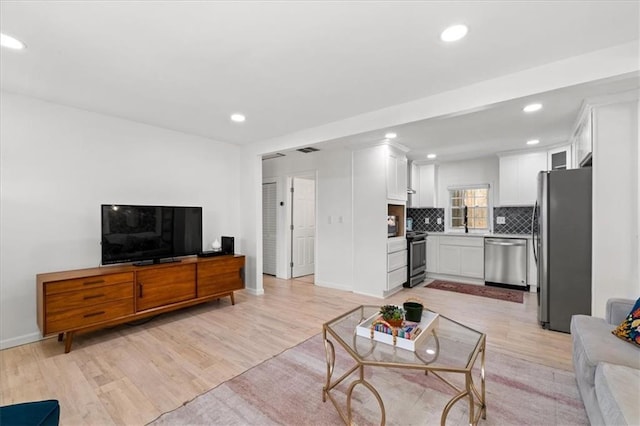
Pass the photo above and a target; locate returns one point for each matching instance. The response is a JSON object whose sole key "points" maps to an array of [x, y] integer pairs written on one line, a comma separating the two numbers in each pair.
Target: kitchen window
{"points": [[469, 205]]}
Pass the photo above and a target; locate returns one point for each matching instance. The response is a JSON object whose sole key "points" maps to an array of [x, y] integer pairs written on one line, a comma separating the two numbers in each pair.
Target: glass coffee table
{"points": [[448, 347]]}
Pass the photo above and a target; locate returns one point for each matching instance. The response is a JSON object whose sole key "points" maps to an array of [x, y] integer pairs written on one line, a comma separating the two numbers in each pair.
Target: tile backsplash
{"points": [[517, 220], [418, 215]]}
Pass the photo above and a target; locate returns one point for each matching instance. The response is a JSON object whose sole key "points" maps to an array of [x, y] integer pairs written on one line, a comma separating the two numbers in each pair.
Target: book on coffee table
{"points": [[409, 335]]}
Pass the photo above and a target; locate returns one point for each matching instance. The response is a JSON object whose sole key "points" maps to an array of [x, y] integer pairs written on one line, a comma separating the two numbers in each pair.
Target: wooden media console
{"points": [[94, 298]]}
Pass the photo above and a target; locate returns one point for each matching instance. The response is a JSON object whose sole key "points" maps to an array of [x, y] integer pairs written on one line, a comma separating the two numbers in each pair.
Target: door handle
{"points": [[140, 285], [534, 215], [505, 244]]}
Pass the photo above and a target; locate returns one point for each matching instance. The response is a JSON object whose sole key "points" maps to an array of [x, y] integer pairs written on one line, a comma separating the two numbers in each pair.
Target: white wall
{"points": [[250, 196], [334, 246], [58, 164], [370, 205], [471, 172], [615, 204]]}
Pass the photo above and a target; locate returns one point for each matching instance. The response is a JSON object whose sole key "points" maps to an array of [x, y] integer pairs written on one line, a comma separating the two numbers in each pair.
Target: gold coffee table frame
{"points": [[451, 347]]}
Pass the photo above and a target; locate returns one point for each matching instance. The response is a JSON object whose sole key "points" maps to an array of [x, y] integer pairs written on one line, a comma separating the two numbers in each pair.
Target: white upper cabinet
{"points": [[560, 158], [518, 178], [396, 175], [582, 139], [423, 181], [427, 188]]}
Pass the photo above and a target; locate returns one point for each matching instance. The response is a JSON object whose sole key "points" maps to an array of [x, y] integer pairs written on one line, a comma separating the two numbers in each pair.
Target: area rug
{"points": [[516, 296], [287, 390]]}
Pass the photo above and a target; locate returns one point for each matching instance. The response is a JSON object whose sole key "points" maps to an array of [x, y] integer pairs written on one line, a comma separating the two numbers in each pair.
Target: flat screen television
{"points": [[149, 234]]}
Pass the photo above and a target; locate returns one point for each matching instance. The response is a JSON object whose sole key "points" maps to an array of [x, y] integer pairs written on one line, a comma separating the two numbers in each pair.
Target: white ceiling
{"points": [[291, 66], [498, 128]]}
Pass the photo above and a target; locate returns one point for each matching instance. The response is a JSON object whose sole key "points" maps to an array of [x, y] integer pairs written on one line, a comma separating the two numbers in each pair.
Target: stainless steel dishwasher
{"points": [[505, 261]]}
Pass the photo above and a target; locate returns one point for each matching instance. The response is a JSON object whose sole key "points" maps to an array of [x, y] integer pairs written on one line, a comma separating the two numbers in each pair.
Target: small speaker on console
{"points": [[228, 245]]}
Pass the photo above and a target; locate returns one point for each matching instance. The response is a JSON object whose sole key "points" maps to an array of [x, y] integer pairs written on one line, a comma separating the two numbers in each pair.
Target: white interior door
{"points": [[303, 234], [269, 228]]}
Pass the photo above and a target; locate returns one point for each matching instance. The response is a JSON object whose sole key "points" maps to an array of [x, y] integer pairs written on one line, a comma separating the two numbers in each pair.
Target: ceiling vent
{"points": [[272, 156], [308, 149]]}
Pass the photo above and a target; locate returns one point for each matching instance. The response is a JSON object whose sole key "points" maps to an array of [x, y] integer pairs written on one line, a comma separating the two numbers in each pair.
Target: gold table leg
{"points": [[331, 359], [476, 399]]}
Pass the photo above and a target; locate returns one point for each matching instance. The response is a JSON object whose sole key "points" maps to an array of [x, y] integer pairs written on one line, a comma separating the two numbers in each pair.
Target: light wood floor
{"points": [[132, 374]]}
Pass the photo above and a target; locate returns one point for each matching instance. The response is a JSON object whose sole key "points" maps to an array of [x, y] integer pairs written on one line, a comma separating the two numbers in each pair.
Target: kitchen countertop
{"points": [[477, 235], [528, 236]]}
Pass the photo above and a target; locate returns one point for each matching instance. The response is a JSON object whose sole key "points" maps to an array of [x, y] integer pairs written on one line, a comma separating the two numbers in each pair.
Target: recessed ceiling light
{"points": [[11, 43], [533, 142], [238, 118], [390, 135], [532, 108], [431, 156], [454, 33]]}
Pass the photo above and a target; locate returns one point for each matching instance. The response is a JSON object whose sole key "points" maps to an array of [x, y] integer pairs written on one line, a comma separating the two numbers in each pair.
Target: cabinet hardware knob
{"points": [[93, 282], [94, 314], [140, 290]]}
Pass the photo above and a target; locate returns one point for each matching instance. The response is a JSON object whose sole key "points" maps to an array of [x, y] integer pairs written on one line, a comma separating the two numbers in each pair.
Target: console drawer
{"points": [[88, 315], [87, 283], [88, 297]]}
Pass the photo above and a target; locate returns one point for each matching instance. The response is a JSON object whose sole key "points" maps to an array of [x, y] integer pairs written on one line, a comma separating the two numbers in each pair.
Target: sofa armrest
{"points": [[618, 309]]}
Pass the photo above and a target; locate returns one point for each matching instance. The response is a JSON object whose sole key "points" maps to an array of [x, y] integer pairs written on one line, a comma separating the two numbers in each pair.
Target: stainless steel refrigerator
{"points": [[562, 246]]}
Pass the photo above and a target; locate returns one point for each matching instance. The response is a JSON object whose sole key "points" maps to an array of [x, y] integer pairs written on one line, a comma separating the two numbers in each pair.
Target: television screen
{"points": [[143, 233]]}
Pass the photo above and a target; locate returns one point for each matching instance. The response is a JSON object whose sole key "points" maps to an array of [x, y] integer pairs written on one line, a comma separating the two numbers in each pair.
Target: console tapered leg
{"points": [[68, 341]]}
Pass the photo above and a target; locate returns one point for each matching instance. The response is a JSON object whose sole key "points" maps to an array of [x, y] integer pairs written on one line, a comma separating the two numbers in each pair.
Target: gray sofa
{"points": [[607, 368]]}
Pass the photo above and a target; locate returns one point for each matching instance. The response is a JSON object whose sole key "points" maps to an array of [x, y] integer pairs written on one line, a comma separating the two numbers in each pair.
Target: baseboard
{"points": [[254, 292], [20, 340], [328, 284], [393, 291], [455, 278], [377, 296]]}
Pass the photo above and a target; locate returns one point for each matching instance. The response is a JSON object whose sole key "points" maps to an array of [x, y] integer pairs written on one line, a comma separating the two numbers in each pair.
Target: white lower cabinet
{"points": [[449, 257], [459, 256], [396, 278], [396, 262], [472, 262], [432, 254]]}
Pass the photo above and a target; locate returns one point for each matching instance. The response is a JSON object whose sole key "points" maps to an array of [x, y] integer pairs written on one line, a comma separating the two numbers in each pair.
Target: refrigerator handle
{"points": [[533, 231]]}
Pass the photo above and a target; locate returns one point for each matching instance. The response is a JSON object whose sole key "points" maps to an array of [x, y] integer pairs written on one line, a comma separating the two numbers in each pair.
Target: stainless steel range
{"points": [[416, 258]]}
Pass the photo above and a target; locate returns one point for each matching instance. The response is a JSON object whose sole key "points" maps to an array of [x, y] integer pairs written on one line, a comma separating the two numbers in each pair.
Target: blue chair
{"points": [[40, 413]]}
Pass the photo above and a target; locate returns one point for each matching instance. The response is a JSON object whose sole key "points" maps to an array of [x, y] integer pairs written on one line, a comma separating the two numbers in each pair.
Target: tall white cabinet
{"points": [[616, 191], [379, 181]]}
